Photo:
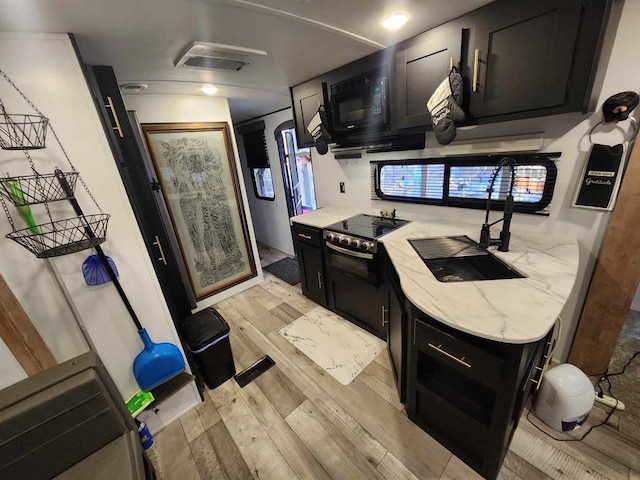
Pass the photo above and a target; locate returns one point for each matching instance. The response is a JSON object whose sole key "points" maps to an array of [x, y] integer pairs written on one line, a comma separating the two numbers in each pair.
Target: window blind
{"points": [[255, 145], [464, 181]]}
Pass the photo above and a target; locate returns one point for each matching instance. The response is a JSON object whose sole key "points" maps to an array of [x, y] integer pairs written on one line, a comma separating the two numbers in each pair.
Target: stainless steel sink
{"points": [[460, 259]]}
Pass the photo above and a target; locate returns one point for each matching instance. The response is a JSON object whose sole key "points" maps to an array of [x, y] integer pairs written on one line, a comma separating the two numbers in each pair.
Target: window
{"points": [[297, 171], [262, 183], [463, 181], [255, 148]]}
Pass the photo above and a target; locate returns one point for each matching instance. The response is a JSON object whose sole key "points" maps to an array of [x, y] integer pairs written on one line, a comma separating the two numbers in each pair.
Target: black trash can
{"points": [[207, 336]]}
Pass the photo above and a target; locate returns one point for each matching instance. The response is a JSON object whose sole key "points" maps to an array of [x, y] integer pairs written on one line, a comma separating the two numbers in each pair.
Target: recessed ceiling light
{"points": [[209, 89], [395, 21]]}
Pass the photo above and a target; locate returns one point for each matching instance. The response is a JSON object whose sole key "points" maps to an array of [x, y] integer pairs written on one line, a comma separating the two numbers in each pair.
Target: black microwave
{"points": [[362, 102]]}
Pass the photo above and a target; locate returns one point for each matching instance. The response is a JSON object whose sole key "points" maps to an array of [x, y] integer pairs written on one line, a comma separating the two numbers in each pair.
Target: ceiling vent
{"points": [[133, 87], [215, 56]]}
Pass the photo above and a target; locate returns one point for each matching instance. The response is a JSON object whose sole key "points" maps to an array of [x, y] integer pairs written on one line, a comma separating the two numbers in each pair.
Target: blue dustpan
{"points": [[157, 363], [94, 271]]}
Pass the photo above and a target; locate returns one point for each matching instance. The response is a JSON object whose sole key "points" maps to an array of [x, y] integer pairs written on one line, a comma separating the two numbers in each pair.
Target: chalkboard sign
{"points": [[600, 178]]}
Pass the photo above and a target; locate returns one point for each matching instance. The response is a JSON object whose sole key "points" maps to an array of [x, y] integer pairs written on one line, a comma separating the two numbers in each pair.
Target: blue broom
{"points": [[158, 362]]}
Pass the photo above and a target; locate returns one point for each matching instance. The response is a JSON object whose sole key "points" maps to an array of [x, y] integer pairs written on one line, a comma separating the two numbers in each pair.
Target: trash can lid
{"points": [[203, 328]]}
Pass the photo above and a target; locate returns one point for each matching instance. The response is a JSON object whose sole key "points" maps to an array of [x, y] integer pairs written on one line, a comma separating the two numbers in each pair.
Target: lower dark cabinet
{"points": [[311, 273], [310, 261], [468, 393], [397, 328]]}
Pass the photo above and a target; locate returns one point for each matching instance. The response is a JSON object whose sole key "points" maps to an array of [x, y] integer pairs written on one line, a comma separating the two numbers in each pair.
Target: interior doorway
{"points": [[297, 171]]}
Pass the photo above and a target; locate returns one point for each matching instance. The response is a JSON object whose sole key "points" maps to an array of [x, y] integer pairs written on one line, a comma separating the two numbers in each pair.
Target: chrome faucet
{"points": [[485, 234]]}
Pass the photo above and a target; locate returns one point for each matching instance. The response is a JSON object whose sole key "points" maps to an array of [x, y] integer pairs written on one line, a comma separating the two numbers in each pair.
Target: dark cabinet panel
{"points": [[311, 276], [521, 55], [363, 303], [467, 392], [307, 99], [397, 327], [420, 68], [130, 159], [307, 241], [396, 342], [138, 184]]}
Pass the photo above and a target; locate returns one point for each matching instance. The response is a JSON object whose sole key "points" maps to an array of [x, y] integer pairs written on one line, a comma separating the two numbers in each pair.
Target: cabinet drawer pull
{"points": [[162, 257], [319, 280], [448, 355], [110, 106], [476, 60], [383, 314], [308, 237]]}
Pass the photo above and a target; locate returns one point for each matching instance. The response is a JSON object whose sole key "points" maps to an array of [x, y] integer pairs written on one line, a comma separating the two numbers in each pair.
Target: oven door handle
{"points": [[368, 256]]}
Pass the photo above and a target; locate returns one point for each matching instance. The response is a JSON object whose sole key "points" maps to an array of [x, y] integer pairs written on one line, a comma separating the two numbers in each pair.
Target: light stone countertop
{"points": [[518, 310]]}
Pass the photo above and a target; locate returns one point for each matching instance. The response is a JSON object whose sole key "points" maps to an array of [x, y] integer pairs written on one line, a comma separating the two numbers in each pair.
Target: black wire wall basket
{"points": [[55, 237], [22, 132], [34, 189], [63, 237]]}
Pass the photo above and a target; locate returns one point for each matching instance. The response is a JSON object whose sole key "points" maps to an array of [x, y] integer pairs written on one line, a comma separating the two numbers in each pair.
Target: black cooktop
{"points": [[366, 226]]}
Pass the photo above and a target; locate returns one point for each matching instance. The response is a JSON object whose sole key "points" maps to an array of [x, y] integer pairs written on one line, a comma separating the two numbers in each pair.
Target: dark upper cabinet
{"points": [[518, 60], [521, 56], [307, 99], [420, 68]]}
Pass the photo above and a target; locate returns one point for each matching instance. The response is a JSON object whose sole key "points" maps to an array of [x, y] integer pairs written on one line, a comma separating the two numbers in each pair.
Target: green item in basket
{"points": [[138, 402]]}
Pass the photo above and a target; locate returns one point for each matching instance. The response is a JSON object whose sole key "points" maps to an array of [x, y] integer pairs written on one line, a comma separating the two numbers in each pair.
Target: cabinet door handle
{"points": [[110, 106], [476, 61], [308, 237], [383, 311], [448, 355], [320, 280], [162, 257]]}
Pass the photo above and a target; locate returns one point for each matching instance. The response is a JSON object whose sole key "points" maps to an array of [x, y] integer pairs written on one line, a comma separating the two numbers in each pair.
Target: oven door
{"points": [[362, 265], [352, 288]]}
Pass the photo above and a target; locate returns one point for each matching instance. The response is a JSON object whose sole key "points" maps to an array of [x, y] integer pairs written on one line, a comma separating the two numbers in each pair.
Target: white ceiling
{"points": [[142, 39]]}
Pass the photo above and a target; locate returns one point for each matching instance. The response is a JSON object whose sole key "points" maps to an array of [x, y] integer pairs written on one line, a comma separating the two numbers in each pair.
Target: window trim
{"points": [[475, 203], [255, 186]]}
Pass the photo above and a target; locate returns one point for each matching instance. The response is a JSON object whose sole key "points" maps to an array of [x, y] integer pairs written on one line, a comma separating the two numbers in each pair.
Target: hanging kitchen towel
{"points": [[444, 107], [600, 178]]}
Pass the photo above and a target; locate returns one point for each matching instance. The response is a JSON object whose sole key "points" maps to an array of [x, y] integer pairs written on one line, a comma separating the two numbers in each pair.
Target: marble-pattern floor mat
{"points": [[335, 344]]}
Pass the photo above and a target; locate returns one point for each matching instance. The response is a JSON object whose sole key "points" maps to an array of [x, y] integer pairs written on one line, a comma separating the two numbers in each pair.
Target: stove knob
{"points": [[354, 243], [364, 246], [344, 241], [330, 237]]}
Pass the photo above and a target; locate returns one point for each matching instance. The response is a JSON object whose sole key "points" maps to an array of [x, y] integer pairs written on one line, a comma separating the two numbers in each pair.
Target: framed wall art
{"points": [[196, 169]]}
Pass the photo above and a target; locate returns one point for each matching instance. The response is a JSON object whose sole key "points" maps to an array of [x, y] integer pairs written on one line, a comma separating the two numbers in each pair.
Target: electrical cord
{"points": [[604, 377]]}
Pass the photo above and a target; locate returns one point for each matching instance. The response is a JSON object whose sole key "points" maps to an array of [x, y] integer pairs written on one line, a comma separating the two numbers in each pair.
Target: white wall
{"points": [[46, 69], [270, 218], [186, 109], [562, 133], [10, 370]]}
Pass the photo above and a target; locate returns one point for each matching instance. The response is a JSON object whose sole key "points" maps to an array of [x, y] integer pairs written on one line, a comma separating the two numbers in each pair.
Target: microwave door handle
{"points": [[367, 256]]}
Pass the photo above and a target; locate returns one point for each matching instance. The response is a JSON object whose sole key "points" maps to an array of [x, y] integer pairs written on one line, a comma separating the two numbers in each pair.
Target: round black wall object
{"points": [[618, 107], [321, 145]]}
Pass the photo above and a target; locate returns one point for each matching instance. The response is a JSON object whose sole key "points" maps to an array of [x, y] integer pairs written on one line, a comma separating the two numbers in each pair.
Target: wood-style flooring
{"points": [[297, 422]]}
